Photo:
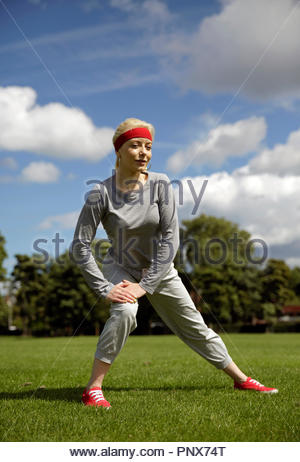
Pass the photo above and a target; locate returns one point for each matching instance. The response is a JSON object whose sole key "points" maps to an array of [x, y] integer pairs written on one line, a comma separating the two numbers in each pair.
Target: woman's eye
{"points": [[136, 146]]}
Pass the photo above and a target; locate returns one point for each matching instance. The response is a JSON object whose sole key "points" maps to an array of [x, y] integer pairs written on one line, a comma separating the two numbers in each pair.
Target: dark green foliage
{"points": [[3, 255], [3, 304], [218, 240], [295, 285], [30, 282], [72, 307], [275, 287], [219, 260], [3, 313], [54, 299]]}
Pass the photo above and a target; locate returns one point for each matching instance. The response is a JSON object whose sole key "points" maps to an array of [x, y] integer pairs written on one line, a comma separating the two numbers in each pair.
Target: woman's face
{"points": [[135, 154]]}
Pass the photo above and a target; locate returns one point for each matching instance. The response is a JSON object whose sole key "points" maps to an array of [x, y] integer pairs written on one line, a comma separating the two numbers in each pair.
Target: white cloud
{"points": [[123, 80], [38, 3], [263, 204], [257, 37], [79, 35], [147, 11], [125, 5], [8, 162], [283, 159], [65, 221], [222, 142], [261, 197], [91, 5], [53, 129], [293, 261], [40, 172], [35, 2], [158, 10]]}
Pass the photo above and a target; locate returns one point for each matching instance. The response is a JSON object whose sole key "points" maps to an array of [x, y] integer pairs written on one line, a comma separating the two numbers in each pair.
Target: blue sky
{"points": [[219, 80]]}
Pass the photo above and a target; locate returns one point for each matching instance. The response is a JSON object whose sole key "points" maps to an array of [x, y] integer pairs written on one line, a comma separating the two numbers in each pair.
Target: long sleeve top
{"points": [[142, 226]]}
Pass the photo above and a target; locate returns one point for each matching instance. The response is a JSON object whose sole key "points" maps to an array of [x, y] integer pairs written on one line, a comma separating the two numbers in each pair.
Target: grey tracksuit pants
{"points": [[175, 307]]}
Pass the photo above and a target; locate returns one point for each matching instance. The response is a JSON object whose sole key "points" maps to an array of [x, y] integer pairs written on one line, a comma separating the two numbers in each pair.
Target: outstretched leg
{"points": [[235, 373], [176, 308]]}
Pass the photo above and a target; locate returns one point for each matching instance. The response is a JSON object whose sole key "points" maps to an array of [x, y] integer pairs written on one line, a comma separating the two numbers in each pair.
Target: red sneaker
{"points": [[251, 384], [94, 397]]}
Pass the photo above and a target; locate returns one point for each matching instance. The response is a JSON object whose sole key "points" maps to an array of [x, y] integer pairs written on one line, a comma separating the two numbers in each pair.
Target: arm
{"points": [[88, 222], [164, 250]]}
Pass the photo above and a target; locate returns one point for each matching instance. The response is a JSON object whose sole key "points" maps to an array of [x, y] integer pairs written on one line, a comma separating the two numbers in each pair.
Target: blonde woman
{"points": [[137, 210]]}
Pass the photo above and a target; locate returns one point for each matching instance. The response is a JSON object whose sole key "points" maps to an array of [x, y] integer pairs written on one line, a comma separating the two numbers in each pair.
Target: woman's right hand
{"points": [[120, 294]]}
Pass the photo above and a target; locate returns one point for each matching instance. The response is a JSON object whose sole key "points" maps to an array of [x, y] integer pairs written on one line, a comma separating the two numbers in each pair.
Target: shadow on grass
{"points": [[74, 394]]}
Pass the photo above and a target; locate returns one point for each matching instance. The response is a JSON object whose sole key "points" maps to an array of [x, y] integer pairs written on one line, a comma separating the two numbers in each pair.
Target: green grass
{"points": [[160, 390]]}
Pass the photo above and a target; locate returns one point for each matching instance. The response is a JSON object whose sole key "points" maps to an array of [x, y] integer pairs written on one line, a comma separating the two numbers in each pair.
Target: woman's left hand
{"points": [[134, 288]]}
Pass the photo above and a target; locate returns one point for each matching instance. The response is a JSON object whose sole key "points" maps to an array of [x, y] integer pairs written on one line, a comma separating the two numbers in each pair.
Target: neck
{"points": [[129, 180]]}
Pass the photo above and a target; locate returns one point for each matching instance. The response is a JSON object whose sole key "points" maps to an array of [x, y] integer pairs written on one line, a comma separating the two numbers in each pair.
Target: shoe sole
{"points": [[94, 405], [271, 392]]}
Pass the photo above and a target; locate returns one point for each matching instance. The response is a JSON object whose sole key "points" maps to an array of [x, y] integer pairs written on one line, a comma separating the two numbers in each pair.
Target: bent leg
{"points": [[99, 371], [121, 323], [122, 320]]}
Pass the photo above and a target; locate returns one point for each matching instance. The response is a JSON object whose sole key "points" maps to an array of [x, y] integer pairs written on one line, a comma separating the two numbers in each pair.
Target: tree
{"points": [[3, 255], [71, 306], [295, 285], [3, 304], [54, 299], [275, 280], [30, 281], [208, 241], [215, 253]]}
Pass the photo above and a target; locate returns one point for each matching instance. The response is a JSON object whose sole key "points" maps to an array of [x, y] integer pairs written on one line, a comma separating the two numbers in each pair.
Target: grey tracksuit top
{"points": [[142, 226]]}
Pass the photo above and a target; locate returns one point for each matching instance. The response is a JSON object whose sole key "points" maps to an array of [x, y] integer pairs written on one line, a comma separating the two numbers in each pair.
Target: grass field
{"points": [[159, 390]]}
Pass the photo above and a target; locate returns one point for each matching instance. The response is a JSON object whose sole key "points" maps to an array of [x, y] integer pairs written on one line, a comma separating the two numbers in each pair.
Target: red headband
{"points": [[140, 132]]}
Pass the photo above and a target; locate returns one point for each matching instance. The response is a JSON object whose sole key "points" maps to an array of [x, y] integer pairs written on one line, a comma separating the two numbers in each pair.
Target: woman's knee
{"points": [[126, 312]]}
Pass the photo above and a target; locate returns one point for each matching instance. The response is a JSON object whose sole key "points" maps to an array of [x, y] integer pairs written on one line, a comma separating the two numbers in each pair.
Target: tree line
{"points": [[229, 282]]}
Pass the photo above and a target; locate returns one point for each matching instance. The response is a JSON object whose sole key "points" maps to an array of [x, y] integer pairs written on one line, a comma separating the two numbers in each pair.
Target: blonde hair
{"points": [[127, 125]]}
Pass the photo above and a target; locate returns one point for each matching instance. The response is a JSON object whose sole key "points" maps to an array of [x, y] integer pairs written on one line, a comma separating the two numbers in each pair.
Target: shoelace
{"points": [[256, 382], [97, 395]]}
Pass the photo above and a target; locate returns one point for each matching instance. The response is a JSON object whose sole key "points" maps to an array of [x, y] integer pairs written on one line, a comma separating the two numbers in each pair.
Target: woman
{"points": [[137, 210]]}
